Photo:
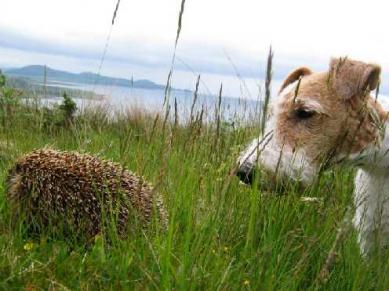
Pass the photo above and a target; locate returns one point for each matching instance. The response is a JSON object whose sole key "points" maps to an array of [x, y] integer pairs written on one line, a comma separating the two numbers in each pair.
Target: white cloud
{"points": [[294, 27], [300, 31]]}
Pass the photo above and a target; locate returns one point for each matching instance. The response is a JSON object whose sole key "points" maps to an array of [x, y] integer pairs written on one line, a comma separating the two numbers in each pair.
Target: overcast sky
{"points": [[216, 33]]}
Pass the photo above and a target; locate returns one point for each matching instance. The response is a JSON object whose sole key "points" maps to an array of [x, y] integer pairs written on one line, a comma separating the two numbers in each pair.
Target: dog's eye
{"points": [[303, 113]]}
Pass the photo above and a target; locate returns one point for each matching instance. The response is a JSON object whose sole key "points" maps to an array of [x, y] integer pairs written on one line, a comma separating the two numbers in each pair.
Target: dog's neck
{"points": [[371, 196], [375, 159]]}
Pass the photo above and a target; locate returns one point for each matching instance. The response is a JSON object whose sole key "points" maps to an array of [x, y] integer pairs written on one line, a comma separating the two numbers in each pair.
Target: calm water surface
{"points": [[119, 99]]}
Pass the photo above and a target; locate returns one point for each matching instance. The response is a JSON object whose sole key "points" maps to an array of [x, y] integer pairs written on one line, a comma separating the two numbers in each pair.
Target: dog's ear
{"points": [[351, 78], [294, 76]]}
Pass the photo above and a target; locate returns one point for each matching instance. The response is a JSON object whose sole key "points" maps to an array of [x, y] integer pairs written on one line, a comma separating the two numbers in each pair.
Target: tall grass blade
{"points": [[195, 96], [267, 89], [180, 22], [107, 41], [168, 82], [115, 12], [218, 112], [45, 81]]}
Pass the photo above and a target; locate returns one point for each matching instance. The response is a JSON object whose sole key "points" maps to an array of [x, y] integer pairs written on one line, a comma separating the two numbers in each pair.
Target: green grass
{"points": [[221, 236]]}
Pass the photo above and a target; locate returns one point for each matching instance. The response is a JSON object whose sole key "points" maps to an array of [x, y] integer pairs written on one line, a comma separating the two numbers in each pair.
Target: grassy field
{"points": [[222, 235]]}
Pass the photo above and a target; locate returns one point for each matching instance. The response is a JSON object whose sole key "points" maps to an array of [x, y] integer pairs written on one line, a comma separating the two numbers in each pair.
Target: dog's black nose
{"points": [[246, 176]]}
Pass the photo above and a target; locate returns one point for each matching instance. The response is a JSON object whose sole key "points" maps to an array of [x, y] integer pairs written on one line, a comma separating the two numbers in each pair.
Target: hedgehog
{"points": [[50, 188]]}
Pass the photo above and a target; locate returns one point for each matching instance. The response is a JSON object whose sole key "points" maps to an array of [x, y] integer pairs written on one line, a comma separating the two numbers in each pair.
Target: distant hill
{"points": [[36, 72]]}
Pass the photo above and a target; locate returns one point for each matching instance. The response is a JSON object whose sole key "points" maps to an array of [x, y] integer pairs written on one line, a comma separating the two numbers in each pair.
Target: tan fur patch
{"points": [[294, 76], [351, 78]]}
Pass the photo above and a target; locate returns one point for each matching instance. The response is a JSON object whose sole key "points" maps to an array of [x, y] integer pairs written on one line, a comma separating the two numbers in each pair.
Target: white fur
{"points": [[371, 197]]}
